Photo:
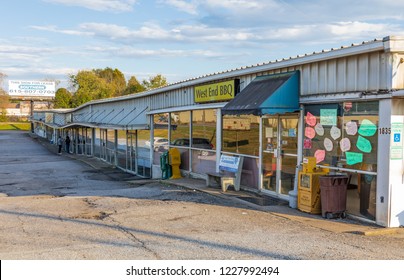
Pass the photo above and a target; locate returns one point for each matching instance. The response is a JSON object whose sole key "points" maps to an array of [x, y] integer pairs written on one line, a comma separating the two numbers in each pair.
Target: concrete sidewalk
{"points": [[249, 199], [350, 224]]}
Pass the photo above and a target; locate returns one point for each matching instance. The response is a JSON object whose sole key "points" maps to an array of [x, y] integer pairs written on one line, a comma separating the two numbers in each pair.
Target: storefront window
{"points": [[241, 134], [121, 153], [342, 135], [160, 136], [204, 129], [110, 151], [97, 143], [345, 135], [203, 137], [143, 153], [179, 129], [88, 141]]}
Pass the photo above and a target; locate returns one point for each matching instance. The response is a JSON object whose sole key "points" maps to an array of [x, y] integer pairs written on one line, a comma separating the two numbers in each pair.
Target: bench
{"points": [[229, 173]]}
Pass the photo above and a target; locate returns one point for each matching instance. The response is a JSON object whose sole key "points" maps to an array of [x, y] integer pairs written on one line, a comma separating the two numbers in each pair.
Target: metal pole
{"points": [[32, 115]]}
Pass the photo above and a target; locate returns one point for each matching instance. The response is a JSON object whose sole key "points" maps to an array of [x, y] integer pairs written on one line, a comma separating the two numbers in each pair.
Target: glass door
{"points": [[279, 157], [131, 152], [103, 144]]}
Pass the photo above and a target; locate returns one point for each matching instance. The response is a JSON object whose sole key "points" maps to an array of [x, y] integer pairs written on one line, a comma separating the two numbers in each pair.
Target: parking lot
{"points": [[75, 207]]}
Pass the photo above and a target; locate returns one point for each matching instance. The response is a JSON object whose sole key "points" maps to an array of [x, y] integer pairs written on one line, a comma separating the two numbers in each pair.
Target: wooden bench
{"points": [[229, 173]]}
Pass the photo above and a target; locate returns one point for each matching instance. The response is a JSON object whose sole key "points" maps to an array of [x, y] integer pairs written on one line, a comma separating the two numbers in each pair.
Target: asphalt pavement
{"points": [[78, 207]]}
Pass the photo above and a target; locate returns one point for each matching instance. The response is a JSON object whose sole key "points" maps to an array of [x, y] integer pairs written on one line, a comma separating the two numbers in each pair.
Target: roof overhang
{"points": [[267, 95]]}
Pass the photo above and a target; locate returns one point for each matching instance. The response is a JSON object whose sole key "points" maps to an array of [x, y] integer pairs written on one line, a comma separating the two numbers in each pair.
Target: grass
{"points": [[15, 126]]}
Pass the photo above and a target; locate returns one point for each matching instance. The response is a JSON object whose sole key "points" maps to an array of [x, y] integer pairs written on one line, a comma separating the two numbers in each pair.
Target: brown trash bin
{"points": [[333, 189]]}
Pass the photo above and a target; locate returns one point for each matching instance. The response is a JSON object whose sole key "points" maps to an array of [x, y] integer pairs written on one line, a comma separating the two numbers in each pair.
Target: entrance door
{"points": [[279, 157], [131, 152], [103, 144]]}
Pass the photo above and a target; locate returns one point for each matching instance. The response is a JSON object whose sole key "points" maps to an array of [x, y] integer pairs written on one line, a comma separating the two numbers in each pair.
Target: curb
{"points": [[376, 232]]}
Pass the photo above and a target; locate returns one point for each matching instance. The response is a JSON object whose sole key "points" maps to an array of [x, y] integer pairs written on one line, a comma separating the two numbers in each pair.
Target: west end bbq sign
{"points": [[216, 92]]}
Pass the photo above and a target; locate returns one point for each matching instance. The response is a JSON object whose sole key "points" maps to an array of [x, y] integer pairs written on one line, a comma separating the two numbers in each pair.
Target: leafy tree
{"points": [[155, 82], [63, 98], [89, 87], [4, 99], [134, 86], [93, 84], [114, 78]]}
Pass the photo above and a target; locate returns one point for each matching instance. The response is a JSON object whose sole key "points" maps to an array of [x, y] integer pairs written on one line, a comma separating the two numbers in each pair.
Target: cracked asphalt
{"points": [[57, 207]]}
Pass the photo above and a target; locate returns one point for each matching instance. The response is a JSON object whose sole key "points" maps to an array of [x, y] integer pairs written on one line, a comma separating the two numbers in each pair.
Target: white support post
{"points": [[219, 130], [261, 154], [293, 193], [116, 147], [151, 154], [93, 134]]}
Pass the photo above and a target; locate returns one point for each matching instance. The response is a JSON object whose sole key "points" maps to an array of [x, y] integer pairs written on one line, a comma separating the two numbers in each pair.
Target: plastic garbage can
{"points": [[333, 192]]}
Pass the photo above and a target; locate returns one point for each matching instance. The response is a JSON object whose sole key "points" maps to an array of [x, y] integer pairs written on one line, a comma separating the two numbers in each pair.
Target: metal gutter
{"points": [[188, 108]]}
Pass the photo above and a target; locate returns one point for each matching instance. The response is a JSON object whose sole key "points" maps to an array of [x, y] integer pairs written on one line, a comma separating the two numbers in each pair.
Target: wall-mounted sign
{"points": [[31, 88], [396, 144], [328, 116], [216, 92]]}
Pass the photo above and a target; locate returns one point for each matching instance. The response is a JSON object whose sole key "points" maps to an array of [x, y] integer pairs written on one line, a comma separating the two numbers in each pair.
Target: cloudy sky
{"points": [[50, 39]]}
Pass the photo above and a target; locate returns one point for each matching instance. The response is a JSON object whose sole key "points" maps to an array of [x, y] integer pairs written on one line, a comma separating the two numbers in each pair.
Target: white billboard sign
{"points": [[31, 88]]}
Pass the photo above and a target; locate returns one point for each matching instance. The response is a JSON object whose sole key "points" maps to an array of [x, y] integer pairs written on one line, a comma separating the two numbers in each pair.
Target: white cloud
{"points": [[239, 5], [53, 28], [148, 31], [196, 6], [355, 29], [129, 52], [185, 6], [99, 5], [35, 72]]}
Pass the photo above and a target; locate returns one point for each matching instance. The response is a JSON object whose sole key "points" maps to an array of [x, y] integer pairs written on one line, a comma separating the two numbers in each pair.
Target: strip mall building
{"points": [[344, 107]]}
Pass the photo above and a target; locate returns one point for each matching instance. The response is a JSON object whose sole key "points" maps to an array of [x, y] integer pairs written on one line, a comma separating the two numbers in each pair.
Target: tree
{"points": [[93, 84], [89, 87], [134, 86], [114, 78], [4, 99], [155, 82], [63, 98]]}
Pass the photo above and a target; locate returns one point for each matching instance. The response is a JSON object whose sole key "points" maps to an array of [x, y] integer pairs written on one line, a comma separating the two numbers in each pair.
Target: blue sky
{"points": [[50, 39]]}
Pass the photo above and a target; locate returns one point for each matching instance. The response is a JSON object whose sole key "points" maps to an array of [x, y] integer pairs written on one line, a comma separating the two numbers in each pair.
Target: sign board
{"points": [[396, 144], [328, 116], [216, 92], [31, 88], [229, 163]]}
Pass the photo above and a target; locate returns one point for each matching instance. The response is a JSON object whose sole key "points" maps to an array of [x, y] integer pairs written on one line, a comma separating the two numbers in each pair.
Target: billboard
{"points": [[31, 88]]}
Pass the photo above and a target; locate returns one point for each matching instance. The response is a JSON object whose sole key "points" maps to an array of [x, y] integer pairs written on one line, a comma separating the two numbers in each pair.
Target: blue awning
{"points": [[271, 94]]}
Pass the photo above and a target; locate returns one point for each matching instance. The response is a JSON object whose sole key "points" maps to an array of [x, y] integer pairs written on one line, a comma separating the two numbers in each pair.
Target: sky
{"points": [[52, 39]]}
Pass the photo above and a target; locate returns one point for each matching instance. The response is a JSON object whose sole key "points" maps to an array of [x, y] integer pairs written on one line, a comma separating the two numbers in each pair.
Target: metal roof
{"points": [[387, 43]]}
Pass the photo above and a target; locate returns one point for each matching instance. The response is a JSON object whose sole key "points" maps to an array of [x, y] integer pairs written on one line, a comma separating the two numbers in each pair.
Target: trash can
{"points": [[333, 192], [165, 167]]}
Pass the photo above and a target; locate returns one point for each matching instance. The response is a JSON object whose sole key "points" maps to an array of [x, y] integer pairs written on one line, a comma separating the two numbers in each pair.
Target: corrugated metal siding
{"points": [[125, 112], [59, 119], [81, 115], [365, 73], [397, 61], [39, 116]]}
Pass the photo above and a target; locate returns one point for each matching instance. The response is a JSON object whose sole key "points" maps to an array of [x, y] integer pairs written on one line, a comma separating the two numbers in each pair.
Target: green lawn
{"points": [[15, 126]]}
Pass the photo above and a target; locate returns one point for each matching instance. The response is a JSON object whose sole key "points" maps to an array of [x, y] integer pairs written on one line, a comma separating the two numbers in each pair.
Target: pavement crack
{"points": [[134, 238], [22, 224]]}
